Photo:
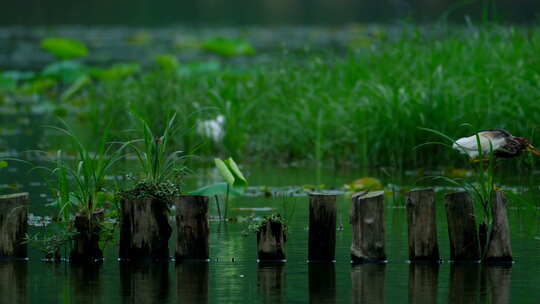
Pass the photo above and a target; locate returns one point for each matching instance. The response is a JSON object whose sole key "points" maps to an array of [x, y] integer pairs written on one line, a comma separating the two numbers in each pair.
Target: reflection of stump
{"points": [[464, 244], [368, 283], [144, 282], [13, 225], [498, 247], [322, 282], [192, 282], [86, 241], [270, 280], [86, 283], [271, 241], [192, 228], [144, 229], [464, 284], [13, 282], [367, 219], [423, 280], [322, 228], [422, 226], [498, 283]]}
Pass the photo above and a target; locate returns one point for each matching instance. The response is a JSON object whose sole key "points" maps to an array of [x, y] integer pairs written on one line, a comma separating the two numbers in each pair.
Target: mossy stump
{"points": [[86, 241], [368, 232], [144, 229], [322, 228], [192, 228], [13, 225], [462, 229], [499, 250], [422, 226], [271, 240]]}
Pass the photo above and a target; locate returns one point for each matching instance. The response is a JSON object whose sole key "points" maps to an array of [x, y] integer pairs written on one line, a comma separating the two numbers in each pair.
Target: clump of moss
{"points": [[161, 191]]}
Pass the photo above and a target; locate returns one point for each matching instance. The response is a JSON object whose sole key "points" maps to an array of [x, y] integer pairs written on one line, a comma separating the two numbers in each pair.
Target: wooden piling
{"points": [[462, 230], [271, 239], [13, 225], [367, 219], [144, 229], [192, 228], [86, 242], [422, 226], [499, 249], [322, 228]]}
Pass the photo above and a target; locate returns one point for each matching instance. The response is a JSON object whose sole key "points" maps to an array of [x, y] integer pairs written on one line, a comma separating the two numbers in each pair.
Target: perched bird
{"points": [[502, 143], [212, 128]]}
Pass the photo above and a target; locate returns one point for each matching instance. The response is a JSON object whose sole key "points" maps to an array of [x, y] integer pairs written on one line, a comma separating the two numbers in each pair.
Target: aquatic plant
{"points": [[161, 169], [64, 49], [228, 47], [234, 184]]}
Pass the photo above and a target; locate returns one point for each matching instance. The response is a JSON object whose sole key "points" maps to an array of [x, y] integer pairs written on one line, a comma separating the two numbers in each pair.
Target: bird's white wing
{"points": [[469, 145]]}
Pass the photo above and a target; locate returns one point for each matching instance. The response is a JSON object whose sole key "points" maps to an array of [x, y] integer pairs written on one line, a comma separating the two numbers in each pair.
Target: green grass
{"points": [[365, 109]]}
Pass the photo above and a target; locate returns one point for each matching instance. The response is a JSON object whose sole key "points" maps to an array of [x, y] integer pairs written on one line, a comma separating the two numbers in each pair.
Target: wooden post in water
{"points": [[86, 242], [271, 239], [322, 228], [462, 230], [192, 228], [367, 219], [13, 225], [368, 283], [498, 247], [423, 283], [422, 226], [144, 229]]}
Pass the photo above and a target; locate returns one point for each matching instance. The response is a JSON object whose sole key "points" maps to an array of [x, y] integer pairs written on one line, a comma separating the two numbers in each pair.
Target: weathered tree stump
{"points": [[422, 226], [192, 282], [192, 228], [499, 249], [368, 283], [322, 228], [423, 283], [144, 229], [322, 283], [464, 243], [13, 225], [86, 242], [270, 281], [271, 239], [367, 219], [13, 282]]}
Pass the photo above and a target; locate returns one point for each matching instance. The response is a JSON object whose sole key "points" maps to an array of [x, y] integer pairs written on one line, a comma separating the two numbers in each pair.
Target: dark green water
{"points": [[258, 12], [233, 275]]}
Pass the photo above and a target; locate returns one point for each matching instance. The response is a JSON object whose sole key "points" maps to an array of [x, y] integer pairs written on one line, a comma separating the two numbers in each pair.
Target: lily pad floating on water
{"points": [[228, 47], [64, 49], [67, 71]]}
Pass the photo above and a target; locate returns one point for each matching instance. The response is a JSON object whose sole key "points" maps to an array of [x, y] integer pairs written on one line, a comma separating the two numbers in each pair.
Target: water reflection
{"points": [[85, 283], [464, 284], [368, 283], [498, 282], [192, 282], [322, 282], [13, 282], [144, 283], [270, 282], [423, 281]]}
